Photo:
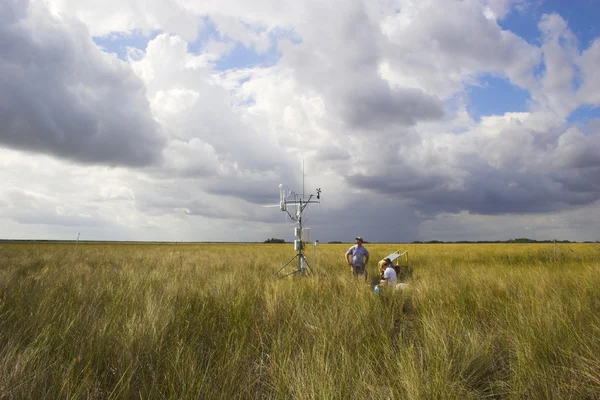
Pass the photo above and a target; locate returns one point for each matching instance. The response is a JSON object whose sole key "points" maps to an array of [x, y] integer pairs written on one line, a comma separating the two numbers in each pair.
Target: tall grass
{"points": [[181, 321]]}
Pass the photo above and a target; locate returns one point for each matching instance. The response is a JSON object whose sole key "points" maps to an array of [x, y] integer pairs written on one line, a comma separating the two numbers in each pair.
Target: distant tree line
{"points": [[516, 240], [273, 240], [340, 242]]}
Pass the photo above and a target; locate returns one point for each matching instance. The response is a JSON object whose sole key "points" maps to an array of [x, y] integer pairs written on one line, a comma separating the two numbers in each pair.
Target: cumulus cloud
{"points": [[145, 16], [515, 164], [440, 53], [339, 57], [209, 138], [60, 95], [589, 88]]}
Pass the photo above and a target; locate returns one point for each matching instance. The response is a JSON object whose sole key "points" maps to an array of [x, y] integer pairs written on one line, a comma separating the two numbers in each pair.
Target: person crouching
{"points": [[388, 277]]}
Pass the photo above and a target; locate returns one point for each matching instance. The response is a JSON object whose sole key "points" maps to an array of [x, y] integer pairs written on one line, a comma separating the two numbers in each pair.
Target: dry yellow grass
{"points": [[184, 321]]}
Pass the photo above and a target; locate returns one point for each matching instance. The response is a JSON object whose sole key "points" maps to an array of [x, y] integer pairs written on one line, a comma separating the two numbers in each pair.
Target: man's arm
{"points": [[347, 256]]}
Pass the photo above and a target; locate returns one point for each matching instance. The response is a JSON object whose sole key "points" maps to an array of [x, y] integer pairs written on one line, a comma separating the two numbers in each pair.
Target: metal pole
{"points": [[316, 242], [303, 178], [299, 235]]}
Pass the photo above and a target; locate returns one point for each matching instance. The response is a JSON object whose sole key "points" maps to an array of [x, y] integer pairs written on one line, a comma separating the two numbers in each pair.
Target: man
{"points": [[357, 257]]}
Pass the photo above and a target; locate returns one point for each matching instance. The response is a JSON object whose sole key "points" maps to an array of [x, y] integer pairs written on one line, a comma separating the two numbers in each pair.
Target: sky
{"points": [[177, 120]]}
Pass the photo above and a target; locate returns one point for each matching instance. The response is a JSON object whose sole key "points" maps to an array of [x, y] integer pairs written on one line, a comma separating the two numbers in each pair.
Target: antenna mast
{"points": [[303, 178]]}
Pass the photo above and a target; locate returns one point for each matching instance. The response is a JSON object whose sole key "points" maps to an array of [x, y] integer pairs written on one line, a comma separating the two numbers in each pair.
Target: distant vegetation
{"points": [[273, 240], [517, 240], [209, 321]]}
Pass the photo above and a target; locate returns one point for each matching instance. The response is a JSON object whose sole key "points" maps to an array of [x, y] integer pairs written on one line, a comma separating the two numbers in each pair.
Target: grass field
{"points": [[179, 321]]}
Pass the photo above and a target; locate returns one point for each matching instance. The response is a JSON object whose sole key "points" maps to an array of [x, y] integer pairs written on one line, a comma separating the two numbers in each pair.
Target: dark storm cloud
{"points": [[374, 105], [585, 182], [388, 220], [431, 196], [258, 189], [165, 197], [262, 195], [60, 95], [407, 183], [488, 190]]}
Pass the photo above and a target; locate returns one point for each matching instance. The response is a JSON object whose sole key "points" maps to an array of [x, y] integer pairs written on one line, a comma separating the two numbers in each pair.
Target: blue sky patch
{"points": [[209, 31], [540, 69], [522, 24], [243, 57], [581, 17], [584, 114], [495, 96], [118, 43], [240, 56]]}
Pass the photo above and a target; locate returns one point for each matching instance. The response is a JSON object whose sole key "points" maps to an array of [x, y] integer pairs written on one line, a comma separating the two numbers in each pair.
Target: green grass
{"points": [[172, 321]]}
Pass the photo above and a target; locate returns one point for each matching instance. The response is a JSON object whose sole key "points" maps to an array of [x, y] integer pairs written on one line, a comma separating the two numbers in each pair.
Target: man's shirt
{"points": [[358, 254]]}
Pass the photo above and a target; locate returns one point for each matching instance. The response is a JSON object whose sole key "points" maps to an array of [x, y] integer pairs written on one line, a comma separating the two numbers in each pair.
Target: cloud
{"points": [[389, 221], [572, 224], [578, 151], [31, 207], [60, 95], [108, 16], [339, 58], [230, 27], [519, 163], [589, 88], [42, 190], [210, 137], [374, 105], [440, 49]]}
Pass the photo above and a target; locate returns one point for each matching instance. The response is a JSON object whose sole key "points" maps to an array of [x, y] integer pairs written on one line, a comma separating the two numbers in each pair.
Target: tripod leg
{"points": [[286, 264], [291, 273]]}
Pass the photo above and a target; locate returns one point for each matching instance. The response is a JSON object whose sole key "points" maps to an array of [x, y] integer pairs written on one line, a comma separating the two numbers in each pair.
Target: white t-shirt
{"points": [[390, 275]]}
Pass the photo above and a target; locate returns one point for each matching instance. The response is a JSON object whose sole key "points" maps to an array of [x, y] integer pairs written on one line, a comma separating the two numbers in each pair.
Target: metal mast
{"points": [[292, 199]]}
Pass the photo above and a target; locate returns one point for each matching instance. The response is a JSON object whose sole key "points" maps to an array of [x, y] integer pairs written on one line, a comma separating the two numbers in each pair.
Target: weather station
{"points": [[294, 202]]}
